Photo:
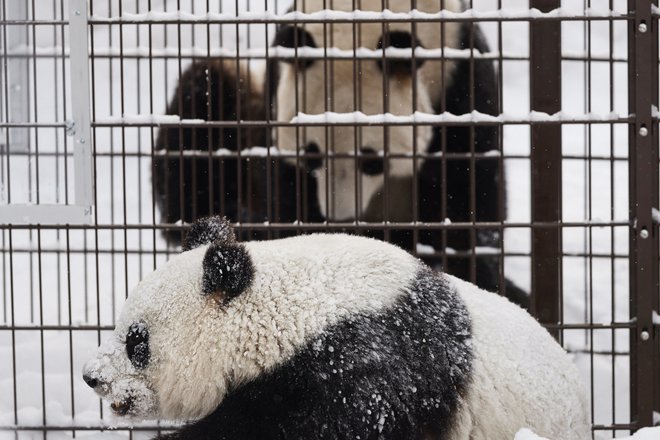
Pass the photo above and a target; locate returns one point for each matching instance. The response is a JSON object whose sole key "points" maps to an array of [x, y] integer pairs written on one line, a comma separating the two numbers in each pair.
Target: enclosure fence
{"points": [[105, 161]]}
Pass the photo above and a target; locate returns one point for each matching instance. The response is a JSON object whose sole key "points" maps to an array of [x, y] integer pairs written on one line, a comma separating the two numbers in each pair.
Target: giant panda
{"points": [[329, 336], [327, 167]]}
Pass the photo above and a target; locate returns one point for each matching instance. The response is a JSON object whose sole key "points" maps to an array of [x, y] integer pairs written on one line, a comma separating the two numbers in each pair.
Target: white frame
{"points": [[81, 211]]}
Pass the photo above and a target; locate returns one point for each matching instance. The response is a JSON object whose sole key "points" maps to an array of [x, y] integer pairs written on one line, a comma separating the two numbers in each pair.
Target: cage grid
{"points": [[576, 121]]}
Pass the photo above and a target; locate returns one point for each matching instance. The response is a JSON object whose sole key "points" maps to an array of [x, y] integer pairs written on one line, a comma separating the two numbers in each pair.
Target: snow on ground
{"points": [[642, 434], [84, 287]]}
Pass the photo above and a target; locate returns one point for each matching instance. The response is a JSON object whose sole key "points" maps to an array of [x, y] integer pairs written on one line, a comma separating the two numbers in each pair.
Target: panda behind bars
{"points": [[336, 173], [331, 337]]}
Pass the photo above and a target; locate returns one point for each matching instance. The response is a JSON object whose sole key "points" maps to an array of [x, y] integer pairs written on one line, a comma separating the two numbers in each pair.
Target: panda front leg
{"points": [[191, 176]]}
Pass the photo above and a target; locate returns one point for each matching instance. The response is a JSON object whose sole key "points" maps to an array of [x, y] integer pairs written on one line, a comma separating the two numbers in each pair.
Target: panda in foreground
{"points": [[336, 172], [330, 336]]}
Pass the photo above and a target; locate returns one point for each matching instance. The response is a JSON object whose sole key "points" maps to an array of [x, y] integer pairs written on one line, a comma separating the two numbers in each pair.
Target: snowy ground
{"points": [[84, 287]]}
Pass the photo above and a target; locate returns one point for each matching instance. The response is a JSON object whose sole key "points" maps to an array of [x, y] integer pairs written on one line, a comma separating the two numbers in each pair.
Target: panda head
{"points": [[223, 314], [315, 86], [156, 364]]}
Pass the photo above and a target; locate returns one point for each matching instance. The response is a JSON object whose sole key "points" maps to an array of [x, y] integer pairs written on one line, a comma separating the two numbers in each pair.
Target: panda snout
{"points": [[90, 380]]}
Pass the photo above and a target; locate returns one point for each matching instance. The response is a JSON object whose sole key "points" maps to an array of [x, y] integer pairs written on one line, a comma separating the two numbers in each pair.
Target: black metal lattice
{"points": [[575, 133]]}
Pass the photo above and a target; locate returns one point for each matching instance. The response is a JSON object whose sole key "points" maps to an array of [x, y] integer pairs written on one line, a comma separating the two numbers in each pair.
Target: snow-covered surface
{"points": [[73, 292]]}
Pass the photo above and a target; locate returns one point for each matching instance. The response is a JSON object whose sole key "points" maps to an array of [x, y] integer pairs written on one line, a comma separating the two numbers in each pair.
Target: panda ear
{"points": [[209, 230], [228, 270], [291, 37], [399, 40]]}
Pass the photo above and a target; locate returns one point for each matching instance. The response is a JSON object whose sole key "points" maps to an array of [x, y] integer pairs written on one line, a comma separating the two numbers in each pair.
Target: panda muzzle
{"points": [[122, 407]]}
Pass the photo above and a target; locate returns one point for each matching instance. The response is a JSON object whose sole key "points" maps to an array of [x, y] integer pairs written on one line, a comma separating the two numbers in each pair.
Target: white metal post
{"points": [[81, 211], [18, 76], [80, 101]]}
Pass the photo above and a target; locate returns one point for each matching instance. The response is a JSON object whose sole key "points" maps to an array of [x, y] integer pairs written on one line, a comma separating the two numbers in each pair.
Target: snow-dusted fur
{"points": [[521, 376], [323, 318], [337, 183], [199, 349]]}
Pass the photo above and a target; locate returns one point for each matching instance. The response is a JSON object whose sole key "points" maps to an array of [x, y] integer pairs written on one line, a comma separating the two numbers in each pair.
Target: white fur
{"points": [[199, 349], [521, 377], [336, 183]]}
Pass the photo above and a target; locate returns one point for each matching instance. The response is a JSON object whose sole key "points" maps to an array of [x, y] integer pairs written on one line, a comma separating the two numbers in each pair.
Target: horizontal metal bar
{"points": [[278, 154], [591, 326], [88, 428], [281, 156], [32, 125], [438, 123], [615, 427], [362, 226], [612, 427], [181, 17], [29, 215], [597, 352], [569, 326], [200, 54], [146, 251], [58, 327], [466, 254], [53, 22]]}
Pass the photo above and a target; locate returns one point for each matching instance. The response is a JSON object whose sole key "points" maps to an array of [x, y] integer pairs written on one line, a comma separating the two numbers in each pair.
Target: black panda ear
{"points": [[228, 270], [292, 37], [209, 230], [399, 40]]}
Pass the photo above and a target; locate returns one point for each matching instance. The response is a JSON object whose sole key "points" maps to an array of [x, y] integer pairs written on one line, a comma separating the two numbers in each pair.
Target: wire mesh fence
{"points": [[511, 143]]}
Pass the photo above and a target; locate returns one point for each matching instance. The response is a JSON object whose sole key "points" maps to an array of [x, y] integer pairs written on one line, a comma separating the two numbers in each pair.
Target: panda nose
{"points": [[89, 380]]}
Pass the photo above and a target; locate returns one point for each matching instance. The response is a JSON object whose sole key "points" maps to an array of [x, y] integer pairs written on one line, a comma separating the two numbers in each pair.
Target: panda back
{"points": [[521, 376]]}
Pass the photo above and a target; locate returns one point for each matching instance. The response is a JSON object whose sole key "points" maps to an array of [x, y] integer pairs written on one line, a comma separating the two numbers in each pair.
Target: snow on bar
{"points": [[273, 52], [256, 151], [144, 119], [360, 118], [446, 117], [446, 53], [354, 16]]}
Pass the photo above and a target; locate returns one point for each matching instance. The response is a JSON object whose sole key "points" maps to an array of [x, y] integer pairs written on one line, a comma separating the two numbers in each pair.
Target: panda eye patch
{"points": [[292, 37], [371, 163], [398, 40], [137, 344]]}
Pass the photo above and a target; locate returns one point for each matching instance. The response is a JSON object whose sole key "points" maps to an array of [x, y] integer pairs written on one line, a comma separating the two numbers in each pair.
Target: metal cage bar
{"points": [[545, 79], [644, 240], [94, 262]]}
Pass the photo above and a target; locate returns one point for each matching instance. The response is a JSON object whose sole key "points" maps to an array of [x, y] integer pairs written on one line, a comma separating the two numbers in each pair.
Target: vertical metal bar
{"points": [[18, 76], [80, 102], [545, 82], [3, 101], [643, 172]]}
